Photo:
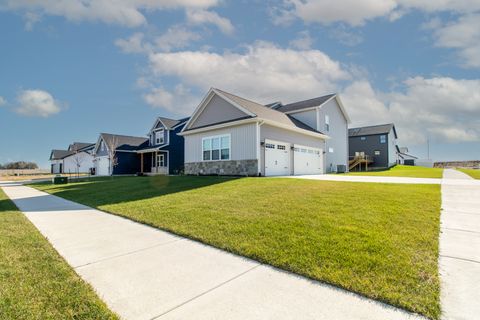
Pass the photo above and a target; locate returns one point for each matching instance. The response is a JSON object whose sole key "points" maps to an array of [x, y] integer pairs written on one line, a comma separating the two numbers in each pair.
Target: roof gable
{"points": [[372, 130], [121, 142]]}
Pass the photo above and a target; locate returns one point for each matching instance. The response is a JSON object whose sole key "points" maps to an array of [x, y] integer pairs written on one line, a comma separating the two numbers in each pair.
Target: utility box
{"points": [[341, 168], [60, 180]]}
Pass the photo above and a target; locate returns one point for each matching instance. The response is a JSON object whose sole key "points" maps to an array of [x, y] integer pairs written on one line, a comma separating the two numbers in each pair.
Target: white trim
{"points": [[252, 120], [220, 147]]}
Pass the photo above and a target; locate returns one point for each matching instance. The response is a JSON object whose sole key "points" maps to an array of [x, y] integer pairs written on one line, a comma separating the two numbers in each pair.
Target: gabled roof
{"points": [[371, 130], [169, 123], [310, 103], [254, 110], [60, 154], [124, 143], [80, 146]]}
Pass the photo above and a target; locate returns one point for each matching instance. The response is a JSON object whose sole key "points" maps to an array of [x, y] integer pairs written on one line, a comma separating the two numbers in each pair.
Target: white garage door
{"points": [[102, 167], [277, 158], [307, 160]]}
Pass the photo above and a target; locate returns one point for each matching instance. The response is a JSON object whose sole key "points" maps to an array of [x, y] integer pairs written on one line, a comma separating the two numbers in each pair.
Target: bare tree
{"points": [[78, 159], [112, 145]]}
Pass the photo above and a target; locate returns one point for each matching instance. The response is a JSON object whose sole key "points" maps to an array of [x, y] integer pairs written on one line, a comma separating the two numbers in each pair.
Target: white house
{"points": [[77, 159]]}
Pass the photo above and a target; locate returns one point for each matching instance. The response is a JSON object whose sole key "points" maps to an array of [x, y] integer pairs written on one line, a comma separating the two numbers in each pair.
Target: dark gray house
{"points": [[376, 144]]}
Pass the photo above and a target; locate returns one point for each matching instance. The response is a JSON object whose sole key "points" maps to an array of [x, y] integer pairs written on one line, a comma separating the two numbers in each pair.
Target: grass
{"points": [[35, 282], [474, 173], [403, 171], [380, 240]]}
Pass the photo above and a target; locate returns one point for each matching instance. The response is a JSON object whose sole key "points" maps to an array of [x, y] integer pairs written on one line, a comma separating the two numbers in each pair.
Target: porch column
{"points": [[141, 162], [156, 159]]}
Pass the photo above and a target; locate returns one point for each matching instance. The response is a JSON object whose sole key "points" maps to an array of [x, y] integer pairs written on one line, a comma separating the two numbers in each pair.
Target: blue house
{"points": [[164, 153]]}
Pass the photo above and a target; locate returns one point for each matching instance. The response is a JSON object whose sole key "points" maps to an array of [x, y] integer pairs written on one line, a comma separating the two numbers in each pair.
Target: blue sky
{"points": [[72, 69]]}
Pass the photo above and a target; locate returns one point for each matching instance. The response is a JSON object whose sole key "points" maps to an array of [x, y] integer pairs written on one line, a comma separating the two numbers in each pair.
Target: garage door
{"points": [[277, 158], [102, 167], [307, 160]]}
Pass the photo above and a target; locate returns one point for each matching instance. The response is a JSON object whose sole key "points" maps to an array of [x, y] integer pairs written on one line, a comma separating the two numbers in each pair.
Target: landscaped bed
{"points": [[35, 282], [403, 171], [380, 240], [474, 173]]}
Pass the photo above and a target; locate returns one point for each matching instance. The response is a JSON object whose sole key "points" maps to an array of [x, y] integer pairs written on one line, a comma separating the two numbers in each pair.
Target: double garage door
{"points": [[279, 160]]}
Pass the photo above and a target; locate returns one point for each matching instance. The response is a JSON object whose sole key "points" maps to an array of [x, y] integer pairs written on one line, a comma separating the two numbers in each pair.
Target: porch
{"points": [[154, 163]]}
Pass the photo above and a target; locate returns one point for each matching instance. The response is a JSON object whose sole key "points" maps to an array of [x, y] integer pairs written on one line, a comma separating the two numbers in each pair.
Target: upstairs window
{"points": [[383, 139], [159, 137], [216, 148], [327, 123], [363, 138]]}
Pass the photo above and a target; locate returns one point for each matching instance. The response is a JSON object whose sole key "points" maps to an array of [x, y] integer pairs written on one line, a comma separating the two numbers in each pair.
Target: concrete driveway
{"points": [[145, 273]]}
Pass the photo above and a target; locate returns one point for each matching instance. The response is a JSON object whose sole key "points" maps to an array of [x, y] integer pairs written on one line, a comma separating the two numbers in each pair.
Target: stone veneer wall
{"points": [[228, 168]]}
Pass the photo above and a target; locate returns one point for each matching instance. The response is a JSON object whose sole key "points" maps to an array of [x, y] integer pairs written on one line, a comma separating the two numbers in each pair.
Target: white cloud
{"points": [[199, 17], [178, 101], [123, 12], [176, 37], [346, 37], [2, 101], [357, 12], [464, 35], [37, 103], [440, 108], [303, 42], [263, 72], [133, 44]]}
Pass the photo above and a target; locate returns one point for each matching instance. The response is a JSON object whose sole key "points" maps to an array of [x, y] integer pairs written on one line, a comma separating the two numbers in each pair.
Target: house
{"points": [[164, 153], [77, 159], [404, 157], [117, 154], [231, 135], [375, 146]]}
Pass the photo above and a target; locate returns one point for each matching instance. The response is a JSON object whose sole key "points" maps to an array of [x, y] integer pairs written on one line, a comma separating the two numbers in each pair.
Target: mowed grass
{"points": [[403, 171], [474, 173], [35, 282], [380, 240]]}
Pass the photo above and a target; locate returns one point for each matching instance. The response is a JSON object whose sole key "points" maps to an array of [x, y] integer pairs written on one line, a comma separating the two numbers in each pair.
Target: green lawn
{"points": [[380, 240], [403, 171], [474, 173], [35, 282]]}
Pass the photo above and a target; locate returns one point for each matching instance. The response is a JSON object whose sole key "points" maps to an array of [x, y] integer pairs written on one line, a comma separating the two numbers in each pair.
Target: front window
{"points": [[216, 148], [383, 139], [160, 160], [327, 123], [159, 137]]}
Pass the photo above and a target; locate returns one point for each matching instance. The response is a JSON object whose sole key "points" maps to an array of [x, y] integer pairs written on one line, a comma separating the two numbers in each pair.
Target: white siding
{"points": [[392, 150], [216, 111], [243, 143], [70, 164], [282, 135]]}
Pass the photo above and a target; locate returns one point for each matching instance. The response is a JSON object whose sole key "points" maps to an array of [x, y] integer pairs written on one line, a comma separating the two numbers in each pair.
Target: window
{"points": [[281, 147], [363, 138], [159, 137], [376, 152], [216, 148], [160, 160], [383, 139], [330, 150], [102, 146], [327, 123], [269, 146]]}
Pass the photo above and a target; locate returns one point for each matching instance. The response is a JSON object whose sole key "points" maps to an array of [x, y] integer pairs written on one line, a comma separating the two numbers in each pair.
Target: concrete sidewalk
{"points": [[145, 273], [460, 246]]}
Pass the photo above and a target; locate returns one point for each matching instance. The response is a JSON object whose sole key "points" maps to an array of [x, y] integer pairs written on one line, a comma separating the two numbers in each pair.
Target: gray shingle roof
{"points": [[170, 123], [76, 146], [60, 154], [315, 102], [266, 113], [370, 130], [126, 143]]}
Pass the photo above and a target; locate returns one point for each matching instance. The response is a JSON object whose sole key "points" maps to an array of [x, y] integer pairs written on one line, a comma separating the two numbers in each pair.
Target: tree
{"points": [[112, 144], [78, 159], [20, 165]]}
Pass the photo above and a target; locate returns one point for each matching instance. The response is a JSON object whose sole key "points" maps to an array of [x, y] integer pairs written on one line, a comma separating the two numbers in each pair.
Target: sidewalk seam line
{"points": [[458, 258], [206, 292]]}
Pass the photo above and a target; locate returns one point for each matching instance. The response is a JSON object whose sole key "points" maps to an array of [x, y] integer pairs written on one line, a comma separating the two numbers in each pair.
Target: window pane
{"points": [[215, 143], [225, 154], [225, 142], [383, 139], [206, 155], [207, 144], [215, 154]]}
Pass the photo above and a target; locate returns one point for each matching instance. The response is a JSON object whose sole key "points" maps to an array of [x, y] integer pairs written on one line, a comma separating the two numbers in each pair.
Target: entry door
{"points": [[307, 160], [277, 158]]}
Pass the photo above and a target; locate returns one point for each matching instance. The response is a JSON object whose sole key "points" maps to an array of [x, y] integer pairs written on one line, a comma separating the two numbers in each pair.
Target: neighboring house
{"points": [[117, 154], [376, 143], [405, 158], [164, 153], [230, 135], [77, 159]]}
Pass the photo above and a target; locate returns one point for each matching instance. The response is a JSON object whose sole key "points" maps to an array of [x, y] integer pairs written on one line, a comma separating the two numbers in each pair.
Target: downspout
{"points": [[259, 149]]}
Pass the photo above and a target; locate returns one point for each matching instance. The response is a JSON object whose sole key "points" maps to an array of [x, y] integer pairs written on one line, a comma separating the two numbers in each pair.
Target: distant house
{"points": [[376, 143], [123, 159], [77, 159], [164, 153], [404, 157], [231, 135]]}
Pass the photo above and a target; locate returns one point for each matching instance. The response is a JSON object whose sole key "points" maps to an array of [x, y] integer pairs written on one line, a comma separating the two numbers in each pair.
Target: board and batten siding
{"points": [[282, 135], [243, 143]]}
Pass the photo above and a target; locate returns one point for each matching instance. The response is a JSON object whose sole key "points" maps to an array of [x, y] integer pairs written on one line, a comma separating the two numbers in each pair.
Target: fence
{"points": [[23, 172]]}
